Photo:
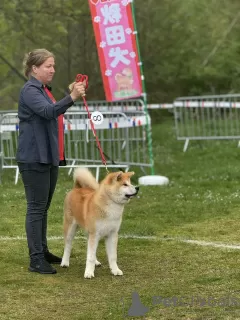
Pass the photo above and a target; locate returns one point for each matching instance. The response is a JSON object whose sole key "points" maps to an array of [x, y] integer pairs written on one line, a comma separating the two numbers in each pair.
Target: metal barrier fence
{"points": [[122, 136], [207, 118], [8, 142]]}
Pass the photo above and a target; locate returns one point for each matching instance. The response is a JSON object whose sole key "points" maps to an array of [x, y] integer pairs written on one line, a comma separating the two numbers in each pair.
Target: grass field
{"points": [[174, 279]]}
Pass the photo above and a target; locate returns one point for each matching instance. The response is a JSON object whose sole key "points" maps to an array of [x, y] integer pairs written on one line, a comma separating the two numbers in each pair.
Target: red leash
{"points": [[82, 78]]}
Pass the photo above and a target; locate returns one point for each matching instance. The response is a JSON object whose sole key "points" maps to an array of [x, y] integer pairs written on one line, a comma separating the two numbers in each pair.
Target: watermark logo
{"points": [[138, 309], [97, 117]]}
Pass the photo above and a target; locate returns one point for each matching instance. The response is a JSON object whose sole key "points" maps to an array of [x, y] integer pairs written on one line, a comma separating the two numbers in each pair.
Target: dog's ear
{"points": [[130, 174], [114, 176], [119, 176]]}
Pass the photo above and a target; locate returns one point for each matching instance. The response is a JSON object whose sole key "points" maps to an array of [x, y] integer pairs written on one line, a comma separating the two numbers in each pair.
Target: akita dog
{"points": [[98, 209]]}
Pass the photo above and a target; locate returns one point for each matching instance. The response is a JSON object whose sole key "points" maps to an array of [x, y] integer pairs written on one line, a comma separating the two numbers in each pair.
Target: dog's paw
{"points": [[97, 263], [117, 272], [88, 274], [64, 264]]}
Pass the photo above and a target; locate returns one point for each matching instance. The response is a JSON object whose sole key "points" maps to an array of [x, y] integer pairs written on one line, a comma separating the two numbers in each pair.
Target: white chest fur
{"points": [[111, 221]]}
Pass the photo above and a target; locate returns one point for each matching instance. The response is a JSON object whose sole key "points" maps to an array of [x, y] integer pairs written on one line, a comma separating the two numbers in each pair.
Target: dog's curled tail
{"points": [[83, 178]]}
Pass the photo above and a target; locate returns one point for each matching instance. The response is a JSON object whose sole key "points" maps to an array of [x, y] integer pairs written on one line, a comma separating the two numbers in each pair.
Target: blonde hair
{"points": [[35, 58]]}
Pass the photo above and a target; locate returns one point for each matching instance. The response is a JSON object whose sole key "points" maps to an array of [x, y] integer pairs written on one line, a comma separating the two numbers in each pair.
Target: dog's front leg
{"points": [[93, 240], [111, 247]]}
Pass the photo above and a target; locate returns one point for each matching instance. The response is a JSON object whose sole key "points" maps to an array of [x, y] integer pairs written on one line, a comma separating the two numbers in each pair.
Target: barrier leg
{"points": [[16, 176], [97, 173], [186, 145], [70, 170], [1, 165]]}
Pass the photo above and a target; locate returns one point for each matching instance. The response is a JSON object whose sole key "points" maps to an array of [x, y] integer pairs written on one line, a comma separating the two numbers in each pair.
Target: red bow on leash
{"points": [[82, 78]]}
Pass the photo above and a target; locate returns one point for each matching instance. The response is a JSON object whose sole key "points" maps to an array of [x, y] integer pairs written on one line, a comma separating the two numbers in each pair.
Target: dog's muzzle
{"points": [[129, 196]]}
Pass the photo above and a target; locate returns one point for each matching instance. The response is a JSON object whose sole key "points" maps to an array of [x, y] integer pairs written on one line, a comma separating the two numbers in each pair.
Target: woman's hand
{"points": [[77, 90]]}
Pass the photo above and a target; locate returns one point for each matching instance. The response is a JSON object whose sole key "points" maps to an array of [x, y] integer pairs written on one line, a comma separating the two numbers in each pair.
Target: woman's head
{"points": [[39, 63]]}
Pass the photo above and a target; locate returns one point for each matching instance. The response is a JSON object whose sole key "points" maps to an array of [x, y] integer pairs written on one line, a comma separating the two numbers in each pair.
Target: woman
{"points": [[38, 151]]}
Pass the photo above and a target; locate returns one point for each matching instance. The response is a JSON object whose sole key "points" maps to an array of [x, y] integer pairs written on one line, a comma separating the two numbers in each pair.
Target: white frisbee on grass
{"points": [[153, 180]]}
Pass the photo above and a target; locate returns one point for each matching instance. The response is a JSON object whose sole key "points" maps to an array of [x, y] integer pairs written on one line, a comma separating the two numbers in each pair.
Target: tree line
{"points": [[188, 47]]}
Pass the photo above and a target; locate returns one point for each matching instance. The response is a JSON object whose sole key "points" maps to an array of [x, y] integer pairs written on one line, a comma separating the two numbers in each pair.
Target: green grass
{"points": [[201, 202]]}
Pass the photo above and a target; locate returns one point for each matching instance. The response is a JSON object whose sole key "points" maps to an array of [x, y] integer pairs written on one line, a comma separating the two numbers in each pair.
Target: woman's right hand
{"points": [[78, 90]]}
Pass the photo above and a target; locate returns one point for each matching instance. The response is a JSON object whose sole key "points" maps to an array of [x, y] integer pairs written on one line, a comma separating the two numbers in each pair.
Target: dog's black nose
{"points": [[137, 188]]}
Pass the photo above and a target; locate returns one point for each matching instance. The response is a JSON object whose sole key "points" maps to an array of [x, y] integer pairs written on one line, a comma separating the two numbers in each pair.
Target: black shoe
{"points": [[41, 266], [51, 258]]}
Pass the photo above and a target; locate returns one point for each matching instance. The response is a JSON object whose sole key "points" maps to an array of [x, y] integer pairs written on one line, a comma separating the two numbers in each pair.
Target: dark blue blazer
{"points": [[38, 127]]}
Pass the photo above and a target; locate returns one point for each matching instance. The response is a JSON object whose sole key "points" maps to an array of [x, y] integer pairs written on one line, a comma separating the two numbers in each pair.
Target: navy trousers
{"points": [[39, 182]]}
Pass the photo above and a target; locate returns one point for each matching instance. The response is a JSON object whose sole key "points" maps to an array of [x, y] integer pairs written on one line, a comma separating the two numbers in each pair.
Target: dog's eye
{"points": [[125, 185]]}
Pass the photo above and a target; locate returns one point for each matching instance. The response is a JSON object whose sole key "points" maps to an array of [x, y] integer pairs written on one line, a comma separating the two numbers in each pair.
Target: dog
{"points": [[98, 209]]}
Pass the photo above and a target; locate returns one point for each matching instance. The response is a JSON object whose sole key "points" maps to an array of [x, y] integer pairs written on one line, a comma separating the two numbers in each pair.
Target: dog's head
{"points": [[119, 188]]}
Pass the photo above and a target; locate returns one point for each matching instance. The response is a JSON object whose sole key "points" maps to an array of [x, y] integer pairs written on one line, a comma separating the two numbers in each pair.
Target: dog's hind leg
{"points": [[93, 240], [111, 248], [70, 231]]}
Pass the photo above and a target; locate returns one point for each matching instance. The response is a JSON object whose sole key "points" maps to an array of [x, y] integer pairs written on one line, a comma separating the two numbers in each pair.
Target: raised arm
{"points": [[35, 100]]}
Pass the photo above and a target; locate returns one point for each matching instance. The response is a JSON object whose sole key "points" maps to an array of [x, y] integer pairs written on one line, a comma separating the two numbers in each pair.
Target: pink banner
{"points": [[117, 50]]}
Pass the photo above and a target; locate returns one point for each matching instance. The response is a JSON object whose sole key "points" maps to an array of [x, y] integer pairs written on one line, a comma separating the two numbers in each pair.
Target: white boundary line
{"points": [[129, 236], [205, 243], [6, 238]]}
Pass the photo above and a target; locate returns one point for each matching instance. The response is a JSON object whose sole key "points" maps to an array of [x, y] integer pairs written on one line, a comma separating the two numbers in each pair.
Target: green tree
{"points": [[188, 47]]}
